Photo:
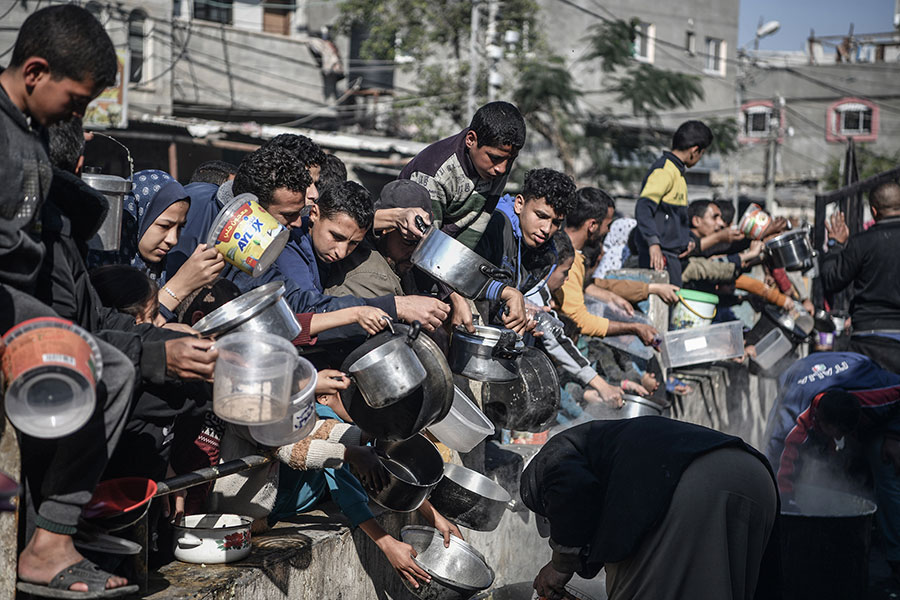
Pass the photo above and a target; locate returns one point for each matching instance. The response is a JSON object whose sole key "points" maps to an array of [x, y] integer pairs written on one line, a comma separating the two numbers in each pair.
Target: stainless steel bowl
{"points": [[636, 406], [414, 467], [470, 499], [261, 310], [457, 572]]}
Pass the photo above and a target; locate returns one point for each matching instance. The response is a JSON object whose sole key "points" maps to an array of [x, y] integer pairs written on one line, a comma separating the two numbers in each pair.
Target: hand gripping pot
{"points": [[52, 367], [301, 415], [247, 236], [457, 572], [253, 377]]}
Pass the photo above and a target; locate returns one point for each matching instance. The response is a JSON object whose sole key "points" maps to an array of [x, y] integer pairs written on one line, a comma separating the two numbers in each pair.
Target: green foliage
{"points": [[612, 43], [868, 162], [650, 90], [725, 135]]}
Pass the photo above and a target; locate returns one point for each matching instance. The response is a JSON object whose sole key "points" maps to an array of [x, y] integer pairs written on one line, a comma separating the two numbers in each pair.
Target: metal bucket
{"points": [[109, 236], [825, 540]]}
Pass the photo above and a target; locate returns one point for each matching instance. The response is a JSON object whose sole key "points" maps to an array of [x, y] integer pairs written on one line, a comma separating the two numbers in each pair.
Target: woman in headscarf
{"points": [[671, 509], [155, 211]]}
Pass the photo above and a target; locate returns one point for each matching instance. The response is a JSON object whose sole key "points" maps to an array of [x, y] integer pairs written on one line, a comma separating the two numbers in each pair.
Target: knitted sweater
{"points": [[252, 493]]}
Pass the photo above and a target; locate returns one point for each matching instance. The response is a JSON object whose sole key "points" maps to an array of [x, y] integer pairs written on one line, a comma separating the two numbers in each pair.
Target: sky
{"points": [[827, 17]]}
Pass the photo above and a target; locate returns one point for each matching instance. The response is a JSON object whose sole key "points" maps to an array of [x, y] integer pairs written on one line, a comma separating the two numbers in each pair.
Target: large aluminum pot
{"points": [[454, 264], [470, 499], [414, 467], [391, 371], [109, 236], [530, 402], [489, 354], [457, 572], [261, 310], [636, 406], [426, 405], [791, 251]]}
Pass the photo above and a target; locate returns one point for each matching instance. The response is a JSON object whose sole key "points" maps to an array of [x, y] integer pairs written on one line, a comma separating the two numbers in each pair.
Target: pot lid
{"points": [[240, 310], [698, 296]]}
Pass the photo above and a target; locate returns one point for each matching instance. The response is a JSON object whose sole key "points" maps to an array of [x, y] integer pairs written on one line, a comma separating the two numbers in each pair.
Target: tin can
{"points": [[754, 222], [247, 236]]}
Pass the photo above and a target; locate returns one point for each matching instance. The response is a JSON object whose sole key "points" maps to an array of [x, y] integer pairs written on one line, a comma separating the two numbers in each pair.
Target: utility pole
{"points": [[495, 52], [473, 58], [775, 133]]}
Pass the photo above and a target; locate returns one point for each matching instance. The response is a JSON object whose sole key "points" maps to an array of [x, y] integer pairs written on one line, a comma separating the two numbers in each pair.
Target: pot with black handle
{"points": [[391, 371]]}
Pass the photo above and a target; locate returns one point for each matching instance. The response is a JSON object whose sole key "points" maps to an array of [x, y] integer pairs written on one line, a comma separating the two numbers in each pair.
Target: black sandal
{"points": [[84, 571]]}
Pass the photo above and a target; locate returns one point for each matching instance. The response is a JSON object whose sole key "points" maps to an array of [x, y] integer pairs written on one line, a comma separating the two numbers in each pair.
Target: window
{"points": [[217, 11], [690, 42], [852, 117], [644, 34], [715, 56], [136, 22], [276, 20], [757, 120]]}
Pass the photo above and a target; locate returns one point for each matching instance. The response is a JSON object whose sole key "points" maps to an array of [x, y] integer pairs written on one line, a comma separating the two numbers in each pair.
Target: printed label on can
{"points": [[48, 346], [247, 235]]}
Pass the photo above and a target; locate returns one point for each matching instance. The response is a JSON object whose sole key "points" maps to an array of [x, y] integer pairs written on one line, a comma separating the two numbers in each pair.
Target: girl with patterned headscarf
{"points": [[155, 211]]}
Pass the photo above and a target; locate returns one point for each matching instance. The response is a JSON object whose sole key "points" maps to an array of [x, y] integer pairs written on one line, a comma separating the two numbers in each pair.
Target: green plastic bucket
{"points": [[694, 309]]}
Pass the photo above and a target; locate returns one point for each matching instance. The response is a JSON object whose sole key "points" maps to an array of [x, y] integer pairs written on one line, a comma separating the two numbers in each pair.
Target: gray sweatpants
{"points": [[710, 544], [62, 473]]}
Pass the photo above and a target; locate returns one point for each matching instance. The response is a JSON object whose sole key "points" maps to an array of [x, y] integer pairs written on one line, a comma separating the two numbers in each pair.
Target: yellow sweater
{"points": [[571, 301]]}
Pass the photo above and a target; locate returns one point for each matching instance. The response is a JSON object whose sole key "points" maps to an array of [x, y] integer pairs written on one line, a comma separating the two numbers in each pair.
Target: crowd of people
{"points": [[347, 269]]}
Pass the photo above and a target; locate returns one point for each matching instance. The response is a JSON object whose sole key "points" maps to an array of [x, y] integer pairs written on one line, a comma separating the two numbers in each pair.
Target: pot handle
{"points": [[189, 540], [494, 272], [414, 329], [390, 323], [420, 223]]}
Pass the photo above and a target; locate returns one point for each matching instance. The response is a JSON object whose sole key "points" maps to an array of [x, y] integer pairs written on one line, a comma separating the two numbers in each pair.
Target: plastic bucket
{"points": [[694, 309], [52, 367], [247, 236], [754, 222], [464, 426], [301, 415], [253, 377], [825, 543]]}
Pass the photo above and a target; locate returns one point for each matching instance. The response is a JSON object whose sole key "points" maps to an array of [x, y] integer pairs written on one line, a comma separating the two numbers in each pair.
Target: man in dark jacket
{"points": [[465, 174], [868, 266], [672, 510], [663, 230]]}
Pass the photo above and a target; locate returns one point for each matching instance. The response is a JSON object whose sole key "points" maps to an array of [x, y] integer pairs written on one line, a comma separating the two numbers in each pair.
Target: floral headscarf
{"points": [[154, 191], [615, 247]]}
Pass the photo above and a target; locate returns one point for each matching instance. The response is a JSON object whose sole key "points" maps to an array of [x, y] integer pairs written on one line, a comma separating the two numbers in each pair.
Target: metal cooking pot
{"points": [[113, 188], [530, 402], [414, 467], [489, 354], [427, 404], [457, 572], [391, 371], [452, 263], [470, 499], [791, 251], [798, 329], [261, 310], [637, 406], [212, 538]]}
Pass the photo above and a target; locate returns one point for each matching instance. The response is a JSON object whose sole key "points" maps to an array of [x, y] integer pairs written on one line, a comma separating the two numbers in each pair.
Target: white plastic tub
{"points": [[771, 348], [464, 426], [699, 345]]}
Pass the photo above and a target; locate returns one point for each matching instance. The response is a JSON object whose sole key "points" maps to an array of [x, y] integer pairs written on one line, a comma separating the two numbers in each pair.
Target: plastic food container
{"points": [[253, 378], [247, 236], [771, 348], [464, 426], [694, 309], [301, 415], [699, 345], [52, 367]]}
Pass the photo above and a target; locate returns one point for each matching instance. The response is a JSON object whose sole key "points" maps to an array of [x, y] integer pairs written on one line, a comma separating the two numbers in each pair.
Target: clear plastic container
{"points": [[301, 417], [253, 377], [52, 367], [464, 426], [699, 345], [771, 348]]}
